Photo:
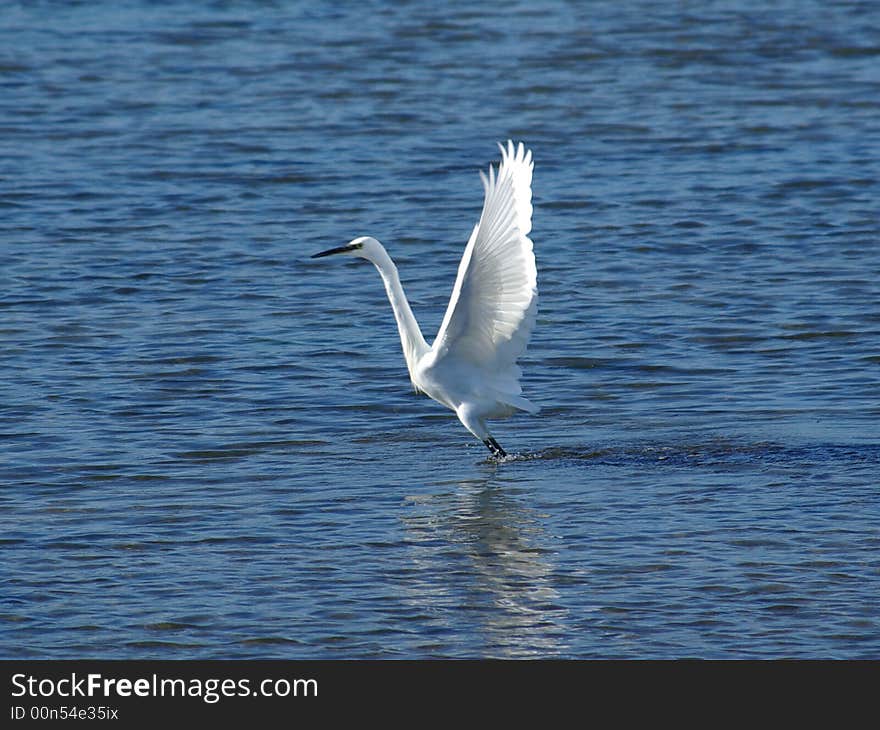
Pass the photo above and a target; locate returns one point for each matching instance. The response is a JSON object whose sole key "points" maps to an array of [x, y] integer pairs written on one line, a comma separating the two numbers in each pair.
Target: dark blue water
{"points": [[208, 443]]}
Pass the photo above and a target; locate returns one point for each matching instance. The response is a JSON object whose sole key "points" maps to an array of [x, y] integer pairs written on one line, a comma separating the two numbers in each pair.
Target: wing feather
{"points": [[492, 310]]}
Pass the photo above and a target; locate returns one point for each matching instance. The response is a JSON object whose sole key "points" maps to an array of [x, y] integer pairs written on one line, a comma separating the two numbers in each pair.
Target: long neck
{"points": [[414, 345]]}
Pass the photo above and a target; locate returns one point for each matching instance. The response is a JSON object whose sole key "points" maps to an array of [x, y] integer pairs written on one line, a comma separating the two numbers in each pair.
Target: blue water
{"points": [[208, 443]]}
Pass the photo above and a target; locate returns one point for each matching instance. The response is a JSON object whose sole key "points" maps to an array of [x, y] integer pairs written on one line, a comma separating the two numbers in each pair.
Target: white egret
{"points": [[471, 366]]}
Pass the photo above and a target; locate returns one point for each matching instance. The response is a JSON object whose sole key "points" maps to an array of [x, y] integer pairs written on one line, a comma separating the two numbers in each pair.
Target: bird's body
{"points": [[471, 365]]}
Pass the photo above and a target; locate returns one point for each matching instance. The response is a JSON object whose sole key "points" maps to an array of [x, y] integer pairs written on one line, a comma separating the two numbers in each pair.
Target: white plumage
{"points": [[471, 366]]}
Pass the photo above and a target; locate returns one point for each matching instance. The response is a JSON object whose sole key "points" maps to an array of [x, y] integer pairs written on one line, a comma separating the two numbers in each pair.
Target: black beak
{"points": [[330, 252]]}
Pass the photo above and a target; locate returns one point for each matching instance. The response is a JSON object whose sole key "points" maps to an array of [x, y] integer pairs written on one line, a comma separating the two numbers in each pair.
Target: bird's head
{"points": [[362, 246]]}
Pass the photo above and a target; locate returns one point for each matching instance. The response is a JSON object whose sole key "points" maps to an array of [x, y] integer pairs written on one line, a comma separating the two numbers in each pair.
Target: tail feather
{"points": [[517, 401]]}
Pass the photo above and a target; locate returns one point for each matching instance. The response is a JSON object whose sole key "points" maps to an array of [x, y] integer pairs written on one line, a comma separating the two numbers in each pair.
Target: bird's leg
{"points": [[495, 447]]}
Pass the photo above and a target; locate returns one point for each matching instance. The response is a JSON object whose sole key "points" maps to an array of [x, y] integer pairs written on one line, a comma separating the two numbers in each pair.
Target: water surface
{"points": [[208, 445]]}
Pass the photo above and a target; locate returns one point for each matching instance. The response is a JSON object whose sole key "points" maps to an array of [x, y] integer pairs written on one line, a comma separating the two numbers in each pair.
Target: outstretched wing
{"points": [[495, 298]]}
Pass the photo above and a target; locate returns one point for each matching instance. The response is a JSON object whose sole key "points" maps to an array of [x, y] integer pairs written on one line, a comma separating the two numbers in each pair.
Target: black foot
{"points": [[494, 447]]}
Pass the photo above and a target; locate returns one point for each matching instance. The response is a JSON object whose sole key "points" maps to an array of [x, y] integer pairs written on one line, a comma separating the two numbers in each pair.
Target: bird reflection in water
{"points": [[483, 564]]}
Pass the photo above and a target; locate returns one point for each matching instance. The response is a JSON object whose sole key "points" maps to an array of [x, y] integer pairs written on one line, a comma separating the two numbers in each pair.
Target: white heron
{"points": [[471, 366]]}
